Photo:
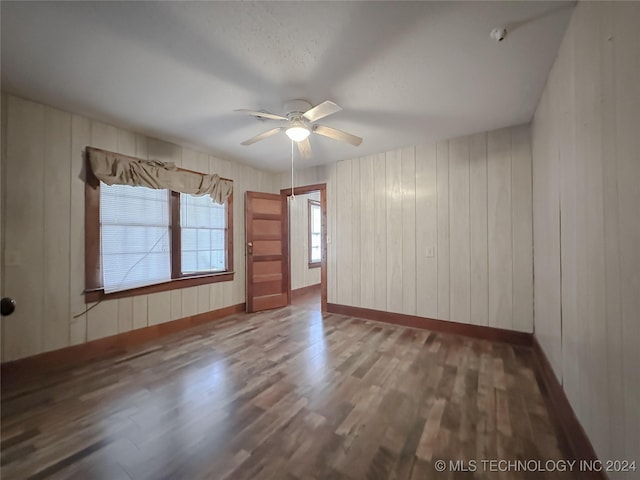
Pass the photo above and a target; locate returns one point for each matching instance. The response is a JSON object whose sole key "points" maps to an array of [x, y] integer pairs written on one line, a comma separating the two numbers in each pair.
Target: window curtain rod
{"points": [[117, 169]]}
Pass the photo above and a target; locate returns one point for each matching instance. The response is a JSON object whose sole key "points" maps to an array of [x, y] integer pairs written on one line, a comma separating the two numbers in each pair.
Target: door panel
{"points": [[268, 227], [267, 206], [266, 249], [269, 302], [267, 271], [260, 289]]}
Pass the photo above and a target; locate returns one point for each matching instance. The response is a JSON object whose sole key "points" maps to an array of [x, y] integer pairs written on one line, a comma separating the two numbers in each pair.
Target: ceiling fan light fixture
{"points": [[301, 118], [297, 133]]}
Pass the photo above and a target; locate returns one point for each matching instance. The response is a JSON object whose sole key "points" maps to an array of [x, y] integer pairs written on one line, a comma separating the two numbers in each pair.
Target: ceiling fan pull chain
{"points": [[293, 193]]}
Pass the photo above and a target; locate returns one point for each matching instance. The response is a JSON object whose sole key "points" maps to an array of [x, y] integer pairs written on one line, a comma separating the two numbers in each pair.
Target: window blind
{"points": [[134, 236]]}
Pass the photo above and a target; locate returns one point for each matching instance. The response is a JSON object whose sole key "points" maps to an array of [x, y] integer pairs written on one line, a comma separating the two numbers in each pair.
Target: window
{"points": [[135, 237], [203, 228], [315, 234], [140, 240]]}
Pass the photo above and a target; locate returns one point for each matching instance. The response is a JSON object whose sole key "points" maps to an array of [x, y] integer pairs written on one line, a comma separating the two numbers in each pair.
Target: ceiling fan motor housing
{"points": [[295, 108]]}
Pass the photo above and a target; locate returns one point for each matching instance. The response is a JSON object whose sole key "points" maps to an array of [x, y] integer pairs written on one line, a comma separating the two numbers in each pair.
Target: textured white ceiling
{"points": [[404, 73]]}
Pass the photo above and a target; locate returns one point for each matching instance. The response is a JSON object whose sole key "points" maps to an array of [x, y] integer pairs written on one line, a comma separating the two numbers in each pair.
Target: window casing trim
{"points": [[94, 290], [98, 294]]}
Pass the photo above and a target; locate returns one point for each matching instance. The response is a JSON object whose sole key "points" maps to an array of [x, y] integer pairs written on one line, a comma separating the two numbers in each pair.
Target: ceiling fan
{"points": [[301, 117]]}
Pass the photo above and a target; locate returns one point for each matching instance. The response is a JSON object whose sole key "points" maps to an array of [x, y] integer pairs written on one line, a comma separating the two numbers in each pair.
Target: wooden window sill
{"points": [[98, 294], [315, 265]]}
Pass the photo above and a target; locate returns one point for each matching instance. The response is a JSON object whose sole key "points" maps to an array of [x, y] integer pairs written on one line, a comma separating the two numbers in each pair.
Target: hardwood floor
{"points": [[309, 300], [287, 394]]}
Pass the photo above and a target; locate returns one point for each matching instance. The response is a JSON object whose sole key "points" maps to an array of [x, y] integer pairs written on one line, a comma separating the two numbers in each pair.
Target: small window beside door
{"points": [[315, 234]]}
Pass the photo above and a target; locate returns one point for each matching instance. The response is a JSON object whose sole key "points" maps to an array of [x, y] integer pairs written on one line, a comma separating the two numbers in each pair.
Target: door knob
{"points": [[7, 306], [250, 248]]}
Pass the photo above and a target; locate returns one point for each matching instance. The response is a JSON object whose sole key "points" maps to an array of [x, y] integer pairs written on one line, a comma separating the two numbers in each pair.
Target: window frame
{"points": [[94, 289], [310, 205]]}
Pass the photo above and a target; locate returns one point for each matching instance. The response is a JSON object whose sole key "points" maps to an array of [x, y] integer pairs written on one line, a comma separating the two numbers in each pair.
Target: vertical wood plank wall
{"points": [[3, 155], [43, 222], [586, 223], [301, 274], [433, 197], [468, 200]]}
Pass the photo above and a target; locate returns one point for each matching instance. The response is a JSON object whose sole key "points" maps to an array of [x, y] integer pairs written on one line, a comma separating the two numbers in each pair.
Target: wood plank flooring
{"points": [[309, 300], [286, 394]]}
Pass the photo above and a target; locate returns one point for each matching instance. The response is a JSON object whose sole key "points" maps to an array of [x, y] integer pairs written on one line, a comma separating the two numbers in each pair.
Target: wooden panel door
{"points": [[266, 251]]}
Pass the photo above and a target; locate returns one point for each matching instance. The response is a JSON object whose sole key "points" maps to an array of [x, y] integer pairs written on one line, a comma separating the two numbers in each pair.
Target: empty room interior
{"points": [[320, 240]]}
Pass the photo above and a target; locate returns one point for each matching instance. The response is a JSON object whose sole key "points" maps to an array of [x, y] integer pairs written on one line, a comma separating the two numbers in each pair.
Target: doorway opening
{"points": [[307, 221]]}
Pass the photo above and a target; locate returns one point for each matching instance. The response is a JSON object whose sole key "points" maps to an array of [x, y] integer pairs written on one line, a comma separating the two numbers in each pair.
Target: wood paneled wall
{"points": [[43, 221], [466, 201], [586, 190], [3, 154], [301, 274]]}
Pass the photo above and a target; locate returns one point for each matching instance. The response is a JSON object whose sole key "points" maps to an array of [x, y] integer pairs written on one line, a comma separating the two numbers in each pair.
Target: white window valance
{"points": [[116, 169]]}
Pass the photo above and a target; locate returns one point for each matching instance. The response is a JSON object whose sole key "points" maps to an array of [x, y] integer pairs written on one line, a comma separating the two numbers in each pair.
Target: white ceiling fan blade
{"points": [[262, 136], [322, 110], [337, 135], [253, 113], [305, 148]]}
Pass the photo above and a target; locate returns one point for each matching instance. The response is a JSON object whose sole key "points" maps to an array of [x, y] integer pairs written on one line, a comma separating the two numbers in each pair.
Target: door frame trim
{"points": [[301, 190]]}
